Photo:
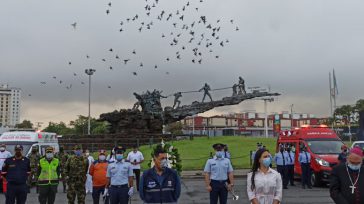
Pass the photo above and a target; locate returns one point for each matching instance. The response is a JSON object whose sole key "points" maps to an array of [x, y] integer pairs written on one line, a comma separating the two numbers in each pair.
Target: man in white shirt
{"points": [[135, 157], [3, 155]]}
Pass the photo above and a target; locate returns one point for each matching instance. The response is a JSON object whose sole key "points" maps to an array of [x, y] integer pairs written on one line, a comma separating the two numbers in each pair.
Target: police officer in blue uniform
{"points": [[160, 184], [290, 165], [280, 160], [16, 170], [120, 179], [218, 171], [305, 160]]}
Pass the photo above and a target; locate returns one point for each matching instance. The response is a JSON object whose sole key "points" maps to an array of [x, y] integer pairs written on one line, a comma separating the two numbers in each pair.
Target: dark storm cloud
{"points": [[289, 46]]}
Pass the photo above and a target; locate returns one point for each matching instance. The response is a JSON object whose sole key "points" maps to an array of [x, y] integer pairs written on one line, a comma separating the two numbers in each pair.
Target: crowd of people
{"points": [[110, 178]]}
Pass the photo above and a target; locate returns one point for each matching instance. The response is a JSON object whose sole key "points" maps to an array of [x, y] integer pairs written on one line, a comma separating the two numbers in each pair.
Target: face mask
{"points": [[119, 157], [102, 157], [87, 154], [267, 161], [354, 167], [49, 155], [2, 149], [78, 152], [164, 163], [219, 154]]}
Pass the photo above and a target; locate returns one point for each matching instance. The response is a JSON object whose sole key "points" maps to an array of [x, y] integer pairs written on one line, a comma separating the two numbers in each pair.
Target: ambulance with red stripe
{"points": [[29, 139], [321, 142]]}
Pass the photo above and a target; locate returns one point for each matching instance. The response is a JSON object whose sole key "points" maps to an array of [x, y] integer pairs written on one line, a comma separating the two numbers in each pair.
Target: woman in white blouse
{"points": [[264, 184]]}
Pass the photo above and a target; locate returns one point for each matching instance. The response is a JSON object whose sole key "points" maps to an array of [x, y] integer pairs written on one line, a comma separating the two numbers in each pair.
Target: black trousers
{"points": [[306, 174], [290, 172], [47, 194], [16, 192], [119, 194], [283, 170], [96, 192], [219, 192], [137, 177]]}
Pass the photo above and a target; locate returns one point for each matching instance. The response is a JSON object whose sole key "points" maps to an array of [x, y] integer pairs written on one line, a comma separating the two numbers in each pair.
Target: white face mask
{"points": [[102, 157], [49, 155], [87, 154], [2, 149]]}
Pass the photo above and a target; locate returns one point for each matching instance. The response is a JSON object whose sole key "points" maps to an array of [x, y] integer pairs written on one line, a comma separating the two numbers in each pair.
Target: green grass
{"points": [[195, 153]]}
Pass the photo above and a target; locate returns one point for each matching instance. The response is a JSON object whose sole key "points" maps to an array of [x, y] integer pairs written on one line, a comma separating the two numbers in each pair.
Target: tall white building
{"points": [[9, 106]]}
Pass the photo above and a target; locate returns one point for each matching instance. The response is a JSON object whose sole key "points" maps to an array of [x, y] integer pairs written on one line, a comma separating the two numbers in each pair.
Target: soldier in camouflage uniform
{"points": [[62, 157], [75, 171], [34, 158]]}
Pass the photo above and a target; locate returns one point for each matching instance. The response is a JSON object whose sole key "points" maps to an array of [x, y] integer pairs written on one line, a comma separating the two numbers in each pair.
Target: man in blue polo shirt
{"points": [[119, 174], [16, 170], [160, 184]]}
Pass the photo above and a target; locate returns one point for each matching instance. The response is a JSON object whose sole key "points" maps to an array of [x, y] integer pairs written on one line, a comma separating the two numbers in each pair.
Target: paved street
{"points": [[193, 191]]}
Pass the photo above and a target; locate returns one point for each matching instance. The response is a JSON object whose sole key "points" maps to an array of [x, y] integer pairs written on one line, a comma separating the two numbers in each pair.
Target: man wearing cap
{"points": [[98, 171], [16, 170], [119, 179], [305, 161], [218, 171], [280, 159], [34, 158], [347, 179], [160, 184], [344, 153], [48, 177], [75, 171], [62, 157], [3, 155]]}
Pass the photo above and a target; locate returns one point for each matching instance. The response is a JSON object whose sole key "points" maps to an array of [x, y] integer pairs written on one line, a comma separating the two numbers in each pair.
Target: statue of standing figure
{"points": [[138, 103], [206, 88], [176, 99], [241, 86]]}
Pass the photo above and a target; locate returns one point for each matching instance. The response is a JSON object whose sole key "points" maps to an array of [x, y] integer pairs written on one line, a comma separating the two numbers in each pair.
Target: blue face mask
{"points": [[219, 154], [78, 152], [354, 167], [267, 161], [119, 157]]}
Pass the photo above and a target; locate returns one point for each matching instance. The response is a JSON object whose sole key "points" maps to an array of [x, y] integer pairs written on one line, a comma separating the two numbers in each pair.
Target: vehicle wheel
{"points": [[316, 179]]}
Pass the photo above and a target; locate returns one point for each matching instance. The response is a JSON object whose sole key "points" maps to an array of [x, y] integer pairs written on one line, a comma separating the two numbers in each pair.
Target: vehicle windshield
{"points": [[325, 146], [361, 145], [11, 145]]}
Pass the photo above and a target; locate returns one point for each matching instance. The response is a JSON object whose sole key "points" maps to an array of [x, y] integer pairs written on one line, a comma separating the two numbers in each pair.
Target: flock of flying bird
{"points": [[190, 36]]}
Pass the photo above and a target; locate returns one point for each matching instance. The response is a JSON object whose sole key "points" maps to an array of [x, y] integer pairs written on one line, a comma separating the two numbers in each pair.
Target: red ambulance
{"points": [[322, 143]]}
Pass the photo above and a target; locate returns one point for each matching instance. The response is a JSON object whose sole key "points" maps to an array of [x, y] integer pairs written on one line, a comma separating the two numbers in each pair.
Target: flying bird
{"points": [[126, 61], [74, 25], [107, 12], [134, 52], [135, 74]]}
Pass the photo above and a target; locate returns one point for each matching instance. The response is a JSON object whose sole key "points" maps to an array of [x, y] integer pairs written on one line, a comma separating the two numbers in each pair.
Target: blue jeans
{"points": [[119, 194], [219, 192], [16, 192]]}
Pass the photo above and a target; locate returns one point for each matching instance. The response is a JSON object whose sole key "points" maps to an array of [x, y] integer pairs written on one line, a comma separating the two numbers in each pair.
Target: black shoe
{"points": [[285, 187], [310, 187], [293, 184], [303, 187]]}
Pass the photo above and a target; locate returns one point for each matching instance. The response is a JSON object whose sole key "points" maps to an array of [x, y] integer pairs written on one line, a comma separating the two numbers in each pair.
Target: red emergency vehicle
{"points": [[322, 143]]}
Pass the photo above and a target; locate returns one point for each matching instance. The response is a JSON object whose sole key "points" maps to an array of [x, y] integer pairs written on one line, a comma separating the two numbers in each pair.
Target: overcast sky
{"points": [[290, 46]]}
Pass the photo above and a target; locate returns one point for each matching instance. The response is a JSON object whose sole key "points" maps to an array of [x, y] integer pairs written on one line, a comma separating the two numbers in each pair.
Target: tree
{"points": [[345, 111], [26, 124], [359, 106], [59, 128], [174, 128], [80, 126]]}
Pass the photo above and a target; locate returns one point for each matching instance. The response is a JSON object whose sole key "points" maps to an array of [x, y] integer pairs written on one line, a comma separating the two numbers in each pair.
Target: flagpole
{"points": [[332, 114]]}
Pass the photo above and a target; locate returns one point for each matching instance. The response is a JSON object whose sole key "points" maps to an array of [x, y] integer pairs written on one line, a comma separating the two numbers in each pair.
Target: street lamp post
{"points": [[89, 72], [291, 115]]}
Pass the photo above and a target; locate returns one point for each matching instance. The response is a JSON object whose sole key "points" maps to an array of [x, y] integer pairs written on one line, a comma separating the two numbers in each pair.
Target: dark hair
{"points": [[159, 150], [256, 165]]}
